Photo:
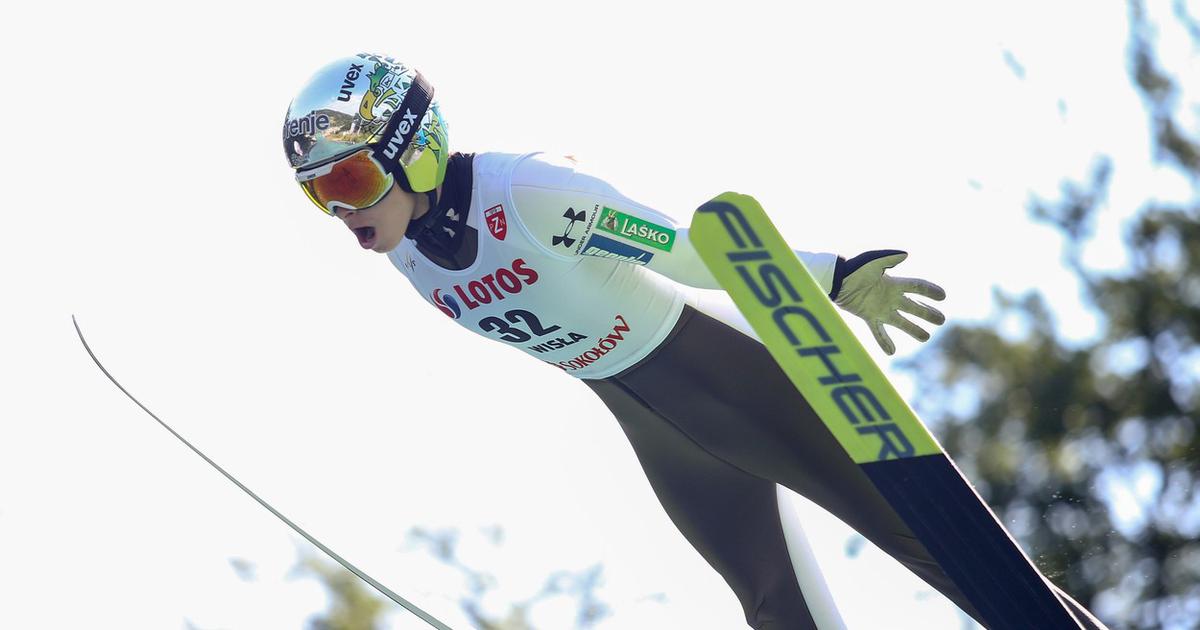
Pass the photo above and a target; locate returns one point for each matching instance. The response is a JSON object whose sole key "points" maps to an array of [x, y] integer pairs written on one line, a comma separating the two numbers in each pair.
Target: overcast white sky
{"points": [[148, 194]]}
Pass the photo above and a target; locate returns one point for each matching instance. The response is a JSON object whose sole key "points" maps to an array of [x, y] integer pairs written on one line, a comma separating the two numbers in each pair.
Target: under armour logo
{"points": [[574, 218], [453, 216]]}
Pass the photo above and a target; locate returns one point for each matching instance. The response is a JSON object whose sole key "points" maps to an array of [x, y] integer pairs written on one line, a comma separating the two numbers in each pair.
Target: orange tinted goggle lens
{"points": [[355, 182]]}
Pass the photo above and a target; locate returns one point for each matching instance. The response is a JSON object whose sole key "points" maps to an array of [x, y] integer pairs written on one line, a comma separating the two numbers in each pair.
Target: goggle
{"points": [[354, 182]]}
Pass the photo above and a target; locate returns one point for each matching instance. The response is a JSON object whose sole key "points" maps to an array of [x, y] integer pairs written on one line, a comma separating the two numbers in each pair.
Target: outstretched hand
{"points": [[879, 298]]}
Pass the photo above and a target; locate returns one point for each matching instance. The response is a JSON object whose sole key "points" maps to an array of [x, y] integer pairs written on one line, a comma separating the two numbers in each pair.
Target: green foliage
{"points": [[1089, 451], [356, 607], [579, 586]]}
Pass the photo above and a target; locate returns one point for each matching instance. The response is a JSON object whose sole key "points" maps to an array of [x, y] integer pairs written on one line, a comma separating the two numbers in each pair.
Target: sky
{"points": [[152, 201]]}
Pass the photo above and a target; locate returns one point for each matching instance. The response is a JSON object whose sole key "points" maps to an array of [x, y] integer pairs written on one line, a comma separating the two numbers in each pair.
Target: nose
{"points": [[343, 213]]}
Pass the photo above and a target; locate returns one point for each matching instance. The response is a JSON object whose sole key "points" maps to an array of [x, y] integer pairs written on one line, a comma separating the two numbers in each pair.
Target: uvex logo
{"points": [[494, 286], [348, 82], [407, 122], [602, 347]]}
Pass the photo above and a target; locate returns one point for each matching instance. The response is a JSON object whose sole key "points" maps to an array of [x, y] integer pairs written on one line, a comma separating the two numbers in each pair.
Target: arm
{"points": [[570, 213]]}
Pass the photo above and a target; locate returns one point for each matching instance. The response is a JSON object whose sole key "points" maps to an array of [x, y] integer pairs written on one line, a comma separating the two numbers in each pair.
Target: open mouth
{"points": [[366, 236]]}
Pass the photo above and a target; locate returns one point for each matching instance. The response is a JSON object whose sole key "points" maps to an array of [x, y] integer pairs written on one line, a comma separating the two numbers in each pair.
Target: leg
{"points": [[724, 391], [729, 516]]}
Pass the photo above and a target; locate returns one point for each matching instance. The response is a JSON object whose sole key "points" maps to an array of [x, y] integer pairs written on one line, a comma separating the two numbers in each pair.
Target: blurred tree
{"points": [[1089, 451], [355, 606], [579, 586]]}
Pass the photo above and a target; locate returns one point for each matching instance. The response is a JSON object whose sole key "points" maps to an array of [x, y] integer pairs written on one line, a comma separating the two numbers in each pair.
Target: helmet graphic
{"points": [[368, 102]]}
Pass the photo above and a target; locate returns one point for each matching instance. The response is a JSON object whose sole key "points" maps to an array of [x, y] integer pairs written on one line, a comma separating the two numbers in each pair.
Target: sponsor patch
{"points": [[497, 224], [606, 344], [637, 229], [494, 286], [307, 126], [446, 304], [572, 216], [604, 247], [558, 343]]}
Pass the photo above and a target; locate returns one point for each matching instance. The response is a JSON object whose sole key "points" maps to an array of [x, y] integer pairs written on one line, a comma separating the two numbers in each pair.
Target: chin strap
{"points": [[443, 226], [419, 227]]}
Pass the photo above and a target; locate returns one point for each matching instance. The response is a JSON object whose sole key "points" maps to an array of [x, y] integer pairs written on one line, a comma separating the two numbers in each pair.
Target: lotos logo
{"points": [[446, 304], [496, 223], [494, 286], [348, 82], [603, 347]]}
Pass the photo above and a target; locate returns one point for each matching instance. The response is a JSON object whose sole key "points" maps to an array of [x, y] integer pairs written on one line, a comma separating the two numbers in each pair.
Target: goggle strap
{"points": [[392, 143]]}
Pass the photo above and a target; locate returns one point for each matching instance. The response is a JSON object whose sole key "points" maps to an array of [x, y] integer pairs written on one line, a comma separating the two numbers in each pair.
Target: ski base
{"points": [[796, 321]]}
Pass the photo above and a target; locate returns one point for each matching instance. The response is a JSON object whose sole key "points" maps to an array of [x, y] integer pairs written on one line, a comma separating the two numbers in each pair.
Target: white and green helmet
{"points": [[375, 102]]}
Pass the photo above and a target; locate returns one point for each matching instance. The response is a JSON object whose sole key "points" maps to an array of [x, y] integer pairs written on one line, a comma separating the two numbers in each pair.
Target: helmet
{"points": [[369, 102]]}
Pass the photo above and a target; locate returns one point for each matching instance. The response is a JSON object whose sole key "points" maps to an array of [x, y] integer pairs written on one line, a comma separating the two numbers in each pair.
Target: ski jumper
{"points": [[529, 251]]}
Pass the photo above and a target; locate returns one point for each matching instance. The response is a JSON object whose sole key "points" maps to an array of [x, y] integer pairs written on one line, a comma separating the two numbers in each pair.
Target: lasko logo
{"points": [[603, 347], [348, 82], [446, 304], [306, 126], [605, 247], [572, 216], [495, 285], [637, 229], [408, 121], [496, 222]]}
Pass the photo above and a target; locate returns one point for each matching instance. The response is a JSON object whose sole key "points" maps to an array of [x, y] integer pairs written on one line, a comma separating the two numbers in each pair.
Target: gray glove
{"points": [[861, 287]]}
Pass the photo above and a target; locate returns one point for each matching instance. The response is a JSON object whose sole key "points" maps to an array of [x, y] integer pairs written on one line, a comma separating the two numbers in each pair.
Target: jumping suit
{"points": [[529, 251]]}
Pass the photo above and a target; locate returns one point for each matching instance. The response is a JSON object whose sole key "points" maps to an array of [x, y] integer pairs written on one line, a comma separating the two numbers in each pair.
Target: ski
{"points": [[798, 323], [385, 591]]}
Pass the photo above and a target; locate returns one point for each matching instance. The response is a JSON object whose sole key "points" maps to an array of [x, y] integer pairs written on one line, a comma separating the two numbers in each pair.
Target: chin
{"points": [[384, 248]]}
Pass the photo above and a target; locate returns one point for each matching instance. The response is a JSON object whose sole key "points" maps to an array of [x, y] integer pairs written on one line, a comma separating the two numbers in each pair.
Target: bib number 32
{"points": [[512, 334]]}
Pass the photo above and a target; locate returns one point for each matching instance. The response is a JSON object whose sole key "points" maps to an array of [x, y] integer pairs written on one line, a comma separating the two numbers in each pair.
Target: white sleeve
{"points": [[570, 213]]}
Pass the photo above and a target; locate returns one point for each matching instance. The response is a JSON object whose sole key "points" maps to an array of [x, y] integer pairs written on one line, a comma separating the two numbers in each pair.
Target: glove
{"points": [[861, 287]]}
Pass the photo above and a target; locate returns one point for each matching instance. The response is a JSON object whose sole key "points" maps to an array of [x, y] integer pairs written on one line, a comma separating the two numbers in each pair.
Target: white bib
{"points": [[590, 316]]}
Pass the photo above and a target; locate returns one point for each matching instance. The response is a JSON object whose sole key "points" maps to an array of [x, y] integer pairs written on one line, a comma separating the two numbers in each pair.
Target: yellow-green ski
{"points": [[798, 323]]}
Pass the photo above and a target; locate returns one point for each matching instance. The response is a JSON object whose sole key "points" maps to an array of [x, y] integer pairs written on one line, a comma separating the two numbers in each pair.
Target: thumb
{"points": [[883, 258], [886, 262]]}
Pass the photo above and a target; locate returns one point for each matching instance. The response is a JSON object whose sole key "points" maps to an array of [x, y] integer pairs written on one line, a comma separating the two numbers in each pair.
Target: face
{"points": [[380, 227]]}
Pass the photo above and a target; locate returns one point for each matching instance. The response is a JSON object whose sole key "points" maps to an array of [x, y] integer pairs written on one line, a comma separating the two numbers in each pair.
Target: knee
{"points": [[780, 608]]}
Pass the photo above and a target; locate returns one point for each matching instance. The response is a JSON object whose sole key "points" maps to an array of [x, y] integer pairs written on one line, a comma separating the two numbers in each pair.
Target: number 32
{"points": [[513, 334]]}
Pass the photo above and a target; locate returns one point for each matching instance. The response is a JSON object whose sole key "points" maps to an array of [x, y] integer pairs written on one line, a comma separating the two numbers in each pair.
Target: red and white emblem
{"points": [[496, 222]]}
